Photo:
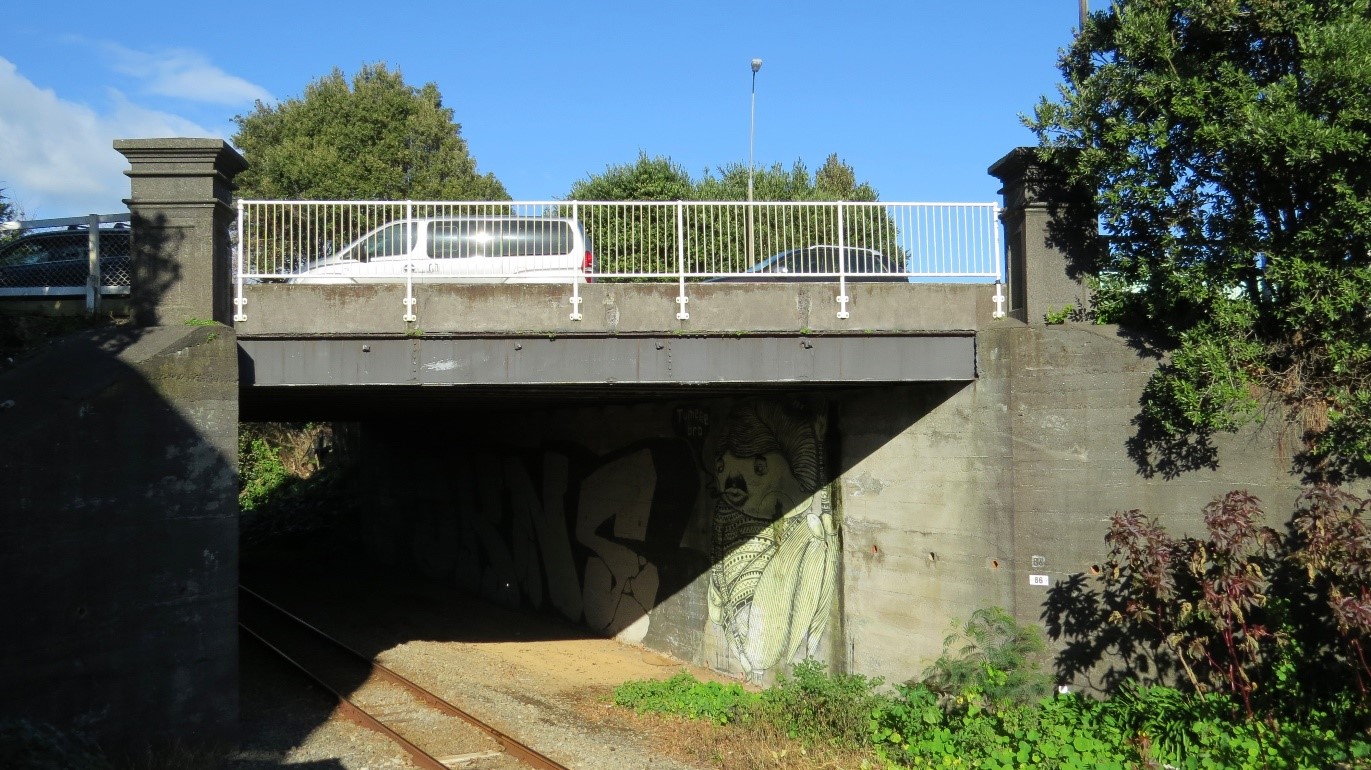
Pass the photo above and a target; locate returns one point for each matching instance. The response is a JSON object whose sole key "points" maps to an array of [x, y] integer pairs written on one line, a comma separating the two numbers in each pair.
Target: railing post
{"points": [[93, 277], [409, 316], [240, 300], [681, 299], [575, 284], [842, 266]]}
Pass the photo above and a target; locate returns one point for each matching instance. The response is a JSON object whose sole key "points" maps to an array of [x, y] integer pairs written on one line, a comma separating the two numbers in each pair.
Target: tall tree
{"points": [[834, 181], [657, 178], [1227, 144], [374, 138], [716, 242]]}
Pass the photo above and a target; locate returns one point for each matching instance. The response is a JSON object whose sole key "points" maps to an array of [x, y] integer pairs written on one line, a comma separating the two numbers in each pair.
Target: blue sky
{"points": [[920, 97]]}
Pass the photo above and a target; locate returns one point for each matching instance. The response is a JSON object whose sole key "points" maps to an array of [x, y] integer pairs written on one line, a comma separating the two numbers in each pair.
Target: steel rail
{"points": [[425, 760]]}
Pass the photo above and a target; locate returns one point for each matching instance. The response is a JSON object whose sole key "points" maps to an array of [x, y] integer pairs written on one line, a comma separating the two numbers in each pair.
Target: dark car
{"points": [[61, 258], [821, 263]]}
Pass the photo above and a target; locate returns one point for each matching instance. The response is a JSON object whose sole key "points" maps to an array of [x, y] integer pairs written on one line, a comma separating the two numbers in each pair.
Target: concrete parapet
{"points": [[502, 309]]}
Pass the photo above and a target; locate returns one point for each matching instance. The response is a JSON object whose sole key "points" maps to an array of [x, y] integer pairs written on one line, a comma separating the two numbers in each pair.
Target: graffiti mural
{"points": [[706, 531], [775, 544]]}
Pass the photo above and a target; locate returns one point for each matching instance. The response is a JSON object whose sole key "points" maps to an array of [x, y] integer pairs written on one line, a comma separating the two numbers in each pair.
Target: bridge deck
{"points": [[314, 342]]}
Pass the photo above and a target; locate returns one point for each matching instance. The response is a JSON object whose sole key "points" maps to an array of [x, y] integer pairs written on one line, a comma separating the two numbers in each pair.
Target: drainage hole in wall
{"points": [[80, 612], [1095, 569], [932, 557], [874, 549], [994, 563]]}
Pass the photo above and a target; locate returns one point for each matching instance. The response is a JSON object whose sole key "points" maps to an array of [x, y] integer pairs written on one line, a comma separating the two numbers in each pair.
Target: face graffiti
{"points": [[761, 486], [775, 538]]}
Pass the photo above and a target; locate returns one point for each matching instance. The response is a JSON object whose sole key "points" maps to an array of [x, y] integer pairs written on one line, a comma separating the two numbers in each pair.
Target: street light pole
{"points": [[752, 126], [751, 133]]}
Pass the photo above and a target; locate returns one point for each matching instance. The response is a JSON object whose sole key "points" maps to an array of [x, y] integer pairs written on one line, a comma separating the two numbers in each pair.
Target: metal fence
{"points": [[74, 256], [628, 241]]}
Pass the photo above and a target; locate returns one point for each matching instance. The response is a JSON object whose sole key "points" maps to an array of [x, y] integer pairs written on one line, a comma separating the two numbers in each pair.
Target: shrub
{"points": [[993, 658], [684, 695], [261, 472], [812, 705]]}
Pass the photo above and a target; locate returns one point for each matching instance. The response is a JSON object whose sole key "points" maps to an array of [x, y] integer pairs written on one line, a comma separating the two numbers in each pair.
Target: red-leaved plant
{"points": [[1202, 599], [1332, 545]]}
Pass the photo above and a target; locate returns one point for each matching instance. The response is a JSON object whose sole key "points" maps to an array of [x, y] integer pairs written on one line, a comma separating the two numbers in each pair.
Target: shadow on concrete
{"points": [[117, 530], [1095, 652], [1074, 230]]}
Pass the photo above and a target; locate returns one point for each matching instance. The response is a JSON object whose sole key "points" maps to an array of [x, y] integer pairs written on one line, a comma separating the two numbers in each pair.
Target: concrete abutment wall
{"points": [[118, 465]]}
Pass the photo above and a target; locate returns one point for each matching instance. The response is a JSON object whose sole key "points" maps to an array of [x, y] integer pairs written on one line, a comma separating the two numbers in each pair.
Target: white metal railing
{"points": [[640, 241], [66, 257]]}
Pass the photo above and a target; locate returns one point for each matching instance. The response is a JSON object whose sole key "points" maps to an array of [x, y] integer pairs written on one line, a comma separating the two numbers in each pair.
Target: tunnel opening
{"points": [[697, 531]]}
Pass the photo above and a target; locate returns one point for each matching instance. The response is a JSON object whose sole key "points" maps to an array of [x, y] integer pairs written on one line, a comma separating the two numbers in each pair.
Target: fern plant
{"points": [[992, 656]]}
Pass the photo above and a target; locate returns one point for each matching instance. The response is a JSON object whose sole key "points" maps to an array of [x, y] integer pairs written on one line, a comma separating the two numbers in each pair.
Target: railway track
{"points": [[434, 733]]}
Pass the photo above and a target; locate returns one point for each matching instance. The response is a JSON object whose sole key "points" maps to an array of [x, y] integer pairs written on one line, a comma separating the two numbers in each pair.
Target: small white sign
{"points": [[1038, 580]]}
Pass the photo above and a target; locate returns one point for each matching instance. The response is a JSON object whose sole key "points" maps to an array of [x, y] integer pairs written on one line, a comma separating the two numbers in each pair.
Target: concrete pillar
{"points": [[1042, 278], [181, 213]]}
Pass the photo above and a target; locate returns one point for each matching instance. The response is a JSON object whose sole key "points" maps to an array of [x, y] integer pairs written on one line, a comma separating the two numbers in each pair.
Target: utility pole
{"points": [[1085, 12]]}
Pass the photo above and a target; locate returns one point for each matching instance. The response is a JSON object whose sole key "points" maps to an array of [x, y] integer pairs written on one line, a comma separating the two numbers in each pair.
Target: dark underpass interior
{"points": [[546, 518]]}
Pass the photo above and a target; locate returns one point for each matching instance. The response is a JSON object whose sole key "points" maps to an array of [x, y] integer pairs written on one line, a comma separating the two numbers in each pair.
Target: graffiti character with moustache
{"points": [[775, 542]]}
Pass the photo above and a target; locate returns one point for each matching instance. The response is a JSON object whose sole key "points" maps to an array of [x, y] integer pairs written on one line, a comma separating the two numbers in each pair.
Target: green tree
{"points": [[375, 138], [1227, 144], [649, 179], [626, 237], [834, 181]]}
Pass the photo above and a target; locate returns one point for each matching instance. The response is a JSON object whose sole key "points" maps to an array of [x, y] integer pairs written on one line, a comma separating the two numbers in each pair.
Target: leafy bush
{"points": [[992, 657], [684, 695], [260, 470], [978, 709], [1141, 728], [1279, 625], [294, 479], [815, 706], [913, 730]]}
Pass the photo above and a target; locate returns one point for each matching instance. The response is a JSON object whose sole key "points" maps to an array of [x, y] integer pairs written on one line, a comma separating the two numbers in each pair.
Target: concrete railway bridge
{"points": [[770, 472]]}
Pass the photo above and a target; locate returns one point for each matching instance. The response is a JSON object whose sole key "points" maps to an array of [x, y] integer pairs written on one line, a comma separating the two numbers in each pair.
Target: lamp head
{"points": [[756, 64]]}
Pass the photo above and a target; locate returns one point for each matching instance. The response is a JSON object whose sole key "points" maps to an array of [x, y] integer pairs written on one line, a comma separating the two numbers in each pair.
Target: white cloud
{"points": [[185, 75], [57, 157]]}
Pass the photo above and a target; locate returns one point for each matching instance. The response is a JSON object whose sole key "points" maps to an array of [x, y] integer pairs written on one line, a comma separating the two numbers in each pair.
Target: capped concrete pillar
{"points": [[180, 205], [1042, 274]]}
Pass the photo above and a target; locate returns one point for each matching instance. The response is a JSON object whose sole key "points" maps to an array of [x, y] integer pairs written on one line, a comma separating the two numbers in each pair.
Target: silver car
{"points": [[461, 249]]}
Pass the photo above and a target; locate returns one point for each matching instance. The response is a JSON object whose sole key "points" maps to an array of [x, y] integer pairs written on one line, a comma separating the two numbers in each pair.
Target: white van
{"points": [[461, 249]]}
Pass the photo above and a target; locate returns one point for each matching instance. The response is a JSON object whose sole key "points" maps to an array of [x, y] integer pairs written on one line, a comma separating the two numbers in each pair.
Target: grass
{"points": [[734, 745]]}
